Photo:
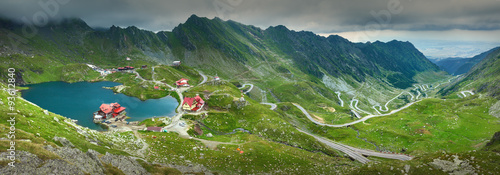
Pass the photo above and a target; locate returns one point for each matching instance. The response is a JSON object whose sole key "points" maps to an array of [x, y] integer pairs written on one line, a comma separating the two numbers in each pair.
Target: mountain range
{"points": [[227, 48], [458, 66], [330, 99]]}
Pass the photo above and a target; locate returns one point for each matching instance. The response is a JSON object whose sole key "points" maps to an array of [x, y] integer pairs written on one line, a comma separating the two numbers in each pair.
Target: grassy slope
{"points": [[452, 125], [483, 162], [135, 87], [169, 74], [31, 121], [266, 150]]}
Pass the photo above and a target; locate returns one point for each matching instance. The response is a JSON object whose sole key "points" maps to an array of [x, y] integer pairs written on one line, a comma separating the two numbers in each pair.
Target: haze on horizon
{"points": [[439, 28]]}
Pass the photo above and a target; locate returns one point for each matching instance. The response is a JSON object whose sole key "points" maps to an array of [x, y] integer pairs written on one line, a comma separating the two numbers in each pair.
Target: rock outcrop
{"points": [[72, 161], [124, 163]]}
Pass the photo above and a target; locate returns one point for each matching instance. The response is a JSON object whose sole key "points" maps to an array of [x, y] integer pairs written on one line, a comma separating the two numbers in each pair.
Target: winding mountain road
{"points": [[469, 91], [341, 101], [243, 86], [273, 106], [354, 122], [387, 103], [204, 78], [355, 106]]}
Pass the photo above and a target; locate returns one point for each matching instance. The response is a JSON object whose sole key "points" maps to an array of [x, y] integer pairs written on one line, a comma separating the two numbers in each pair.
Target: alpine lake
{"points": [[80, 100]]}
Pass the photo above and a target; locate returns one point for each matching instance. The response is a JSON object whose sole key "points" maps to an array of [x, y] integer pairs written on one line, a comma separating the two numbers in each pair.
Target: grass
{"points": [[259, 156], [150, 123], [156, 169], [111, 170], [433, 125], [483, 162], [265, 123], [454, 125], [136, 88], [170, 74]]}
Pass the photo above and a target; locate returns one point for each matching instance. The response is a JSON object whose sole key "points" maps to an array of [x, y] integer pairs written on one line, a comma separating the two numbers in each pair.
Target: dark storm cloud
{"points": [[320, 16]]}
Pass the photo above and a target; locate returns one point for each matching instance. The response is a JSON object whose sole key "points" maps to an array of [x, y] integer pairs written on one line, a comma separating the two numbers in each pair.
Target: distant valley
{"points": [[457, 66]]}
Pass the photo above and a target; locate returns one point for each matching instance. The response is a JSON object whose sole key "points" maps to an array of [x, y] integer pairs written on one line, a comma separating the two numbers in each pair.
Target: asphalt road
{"points": [[354, 122], [273, 106], [204, 78], [341, 101], [355, 155], [251, 87], [470, 92]]}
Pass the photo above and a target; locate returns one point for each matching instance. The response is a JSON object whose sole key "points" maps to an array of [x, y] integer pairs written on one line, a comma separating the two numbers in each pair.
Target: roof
{"points": [[190, 101], [182, 81], [154, 128], [106, 108], [198, 99], [116, 105], [119, 110]]}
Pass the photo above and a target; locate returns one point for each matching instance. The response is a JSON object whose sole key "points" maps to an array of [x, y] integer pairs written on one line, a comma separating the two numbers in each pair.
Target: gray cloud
{"points": [[418, 20], [320, 16]]}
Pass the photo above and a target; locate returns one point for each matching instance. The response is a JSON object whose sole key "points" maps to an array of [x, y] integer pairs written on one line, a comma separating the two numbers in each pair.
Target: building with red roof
{"points": [[108, 111], [182, 83], [193, 104]]}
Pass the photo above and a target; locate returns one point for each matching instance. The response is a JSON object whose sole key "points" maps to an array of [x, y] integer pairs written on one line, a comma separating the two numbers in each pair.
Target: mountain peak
{"points": [[193, 16], [278, 27]]}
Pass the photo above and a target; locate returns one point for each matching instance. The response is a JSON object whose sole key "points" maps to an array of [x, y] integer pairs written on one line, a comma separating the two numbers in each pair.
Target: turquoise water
{"points": [[80, 100]]}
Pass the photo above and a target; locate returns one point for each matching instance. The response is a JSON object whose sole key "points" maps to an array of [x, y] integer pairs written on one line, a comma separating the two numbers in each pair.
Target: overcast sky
{"points": [[446, 21]]}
